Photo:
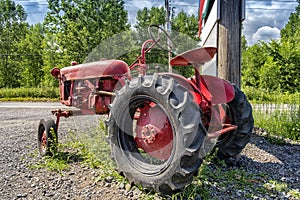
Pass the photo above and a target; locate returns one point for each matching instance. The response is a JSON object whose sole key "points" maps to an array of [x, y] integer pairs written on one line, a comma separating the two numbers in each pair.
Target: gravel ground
{"points": [[18, 150]]}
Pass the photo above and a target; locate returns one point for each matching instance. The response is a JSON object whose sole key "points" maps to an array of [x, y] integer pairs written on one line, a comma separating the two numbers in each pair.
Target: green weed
{"points": [[276, 186], [295, 193]]}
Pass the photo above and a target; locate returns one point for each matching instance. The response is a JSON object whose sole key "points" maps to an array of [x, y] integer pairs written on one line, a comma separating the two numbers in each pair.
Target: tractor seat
{"points": [[194, 56]]}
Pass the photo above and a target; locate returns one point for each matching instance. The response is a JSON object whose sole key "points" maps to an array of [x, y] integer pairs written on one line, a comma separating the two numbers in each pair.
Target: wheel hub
{"points": [[154, 132], [149, 133]]}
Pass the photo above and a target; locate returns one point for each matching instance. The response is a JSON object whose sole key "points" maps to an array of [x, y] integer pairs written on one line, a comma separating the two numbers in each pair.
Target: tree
{"points": [[290, 52], [183, 35], [12, 29], [252, 60], [292, 27], [80, 25], [30, 47], [145, 18], [274, 66]]}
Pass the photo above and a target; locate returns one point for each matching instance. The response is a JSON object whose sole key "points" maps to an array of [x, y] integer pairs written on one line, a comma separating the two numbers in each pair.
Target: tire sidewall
{"points": [[236, 140], [120, 107]]}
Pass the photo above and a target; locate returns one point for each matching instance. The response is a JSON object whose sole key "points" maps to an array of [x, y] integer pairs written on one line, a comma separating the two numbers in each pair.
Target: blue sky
{"points": [[264, 18]]}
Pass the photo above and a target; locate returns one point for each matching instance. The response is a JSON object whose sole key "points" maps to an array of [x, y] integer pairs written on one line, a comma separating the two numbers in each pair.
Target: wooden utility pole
{"points": [[229, 40], [168, 28]]}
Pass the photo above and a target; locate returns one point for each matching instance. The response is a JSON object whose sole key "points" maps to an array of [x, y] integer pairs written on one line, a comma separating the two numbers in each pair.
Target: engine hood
{"points": [[106, 68]]}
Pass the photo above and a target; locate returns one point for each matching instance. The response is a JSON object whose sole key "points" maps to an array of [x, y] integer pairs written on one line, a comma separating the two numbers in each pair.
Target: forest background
{"points": [[90, 30]]}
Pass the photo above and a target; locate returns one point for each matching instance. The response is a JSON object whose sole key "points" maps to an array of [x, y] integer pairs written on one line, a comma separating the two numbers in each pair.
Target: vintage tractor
{"points": [[161, 125]]}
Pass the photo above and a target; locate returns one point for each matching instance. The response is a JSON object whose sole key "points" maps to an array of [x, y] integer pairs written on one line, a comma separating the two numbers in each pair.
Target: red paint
{"points": [[201, 6], [97, 69], [212, 90], [194, 56], [189, 85], [55, 72], [154, 132], [216, 90]]}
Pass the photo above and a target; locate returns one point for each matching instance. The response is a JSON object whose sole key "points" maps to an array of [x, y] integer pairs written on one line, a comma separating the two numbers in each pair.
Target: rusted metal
{"points": [[226, 128], [105, 93], [67, 113]]}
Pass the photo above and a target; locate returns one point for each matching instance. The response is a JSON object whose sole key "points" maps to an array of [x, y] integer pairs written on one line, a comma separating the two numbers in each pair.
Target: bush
{"points": [[255, 95], [29, 93]]}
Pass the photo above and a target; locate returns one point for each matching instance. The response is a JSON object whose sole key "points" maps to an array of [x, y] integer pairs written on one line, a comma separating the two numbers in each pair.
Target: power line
{"points": [[37, 12], [34, 4], [271, 9], [281, 1]]}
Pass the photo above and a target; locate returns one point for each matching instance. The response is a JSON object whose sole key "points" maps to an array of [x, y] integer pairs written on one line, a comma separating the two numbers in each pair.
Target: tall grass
{"points": [[283, 123], [275, 112], [44, 93]]}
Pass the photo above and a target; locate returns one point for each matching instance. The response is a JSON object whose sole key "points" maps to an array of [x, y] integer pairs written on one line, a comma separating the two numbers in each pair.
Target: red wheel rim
{"points": [[43, 144], [154, 133]]}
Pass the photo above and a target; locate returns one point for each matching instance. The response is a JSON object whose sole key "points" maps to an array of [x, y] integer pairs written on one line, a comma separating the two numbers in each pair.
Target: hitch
{"points": [[226, 128], [66, 114]]}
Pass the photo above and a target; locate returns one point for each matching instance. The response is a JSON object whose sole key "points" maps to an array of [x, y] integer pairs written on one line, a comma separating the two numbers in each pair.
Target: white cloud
{"points": [[36, 10], [266, 33], [132, 6], [265, 14]]}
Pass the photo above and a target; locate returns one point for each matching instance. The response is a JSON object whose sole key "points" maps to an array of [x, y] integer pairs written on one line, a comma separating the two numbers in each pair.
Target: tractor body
{"points": [[162, 125], [90, 87]]}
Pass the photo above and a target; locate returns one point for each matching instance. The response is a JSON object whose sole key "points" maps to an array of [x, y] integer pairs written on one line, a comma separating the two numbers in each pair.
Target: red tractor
{"points": [[161, 126]]}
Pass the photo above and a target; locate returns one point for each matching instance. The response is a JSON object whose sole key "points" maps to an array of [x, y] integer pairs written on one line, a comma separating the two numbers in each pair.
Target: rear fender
{"points": [[216, 90]]}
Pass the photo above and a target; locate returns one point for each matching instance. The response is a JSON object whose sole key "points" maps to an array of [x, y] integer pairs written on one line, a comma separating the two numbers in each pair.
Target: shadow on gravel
{"points": [[282, 150], [275, 165], [262, 171]]}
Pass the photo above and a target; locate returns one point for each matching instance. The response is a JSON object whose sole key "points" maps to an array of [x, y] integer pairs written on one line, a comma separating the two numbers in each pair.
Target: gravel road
{"points": [[18, 150]]}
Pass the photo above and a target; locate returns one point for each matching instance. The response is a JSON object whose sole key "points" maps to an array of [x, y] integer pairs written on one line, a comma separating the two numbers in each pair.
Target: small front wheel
{"points": [[47, 137]]}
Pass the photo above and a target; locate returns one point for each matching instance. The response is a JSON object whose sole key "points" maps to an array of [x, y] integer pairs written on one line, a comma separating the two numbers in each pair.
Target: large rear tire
{"points": [[167, 161], [239, 112]]}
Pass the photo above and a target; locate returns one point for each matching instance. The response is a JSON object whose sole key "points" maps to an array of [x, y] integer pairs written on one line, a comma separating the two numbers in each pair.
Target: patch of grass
{"points": [[52, 163], [295, 193], [92, 150], [60, 160], [30, 99], [279, 124], [276, 186], [29, 94], [226, 180]]}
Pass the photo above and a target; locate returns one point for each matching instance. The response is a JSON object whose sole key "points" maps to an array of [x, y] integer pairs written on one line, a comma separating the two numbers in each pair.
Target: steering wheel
{"points": [[160, 37]]}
